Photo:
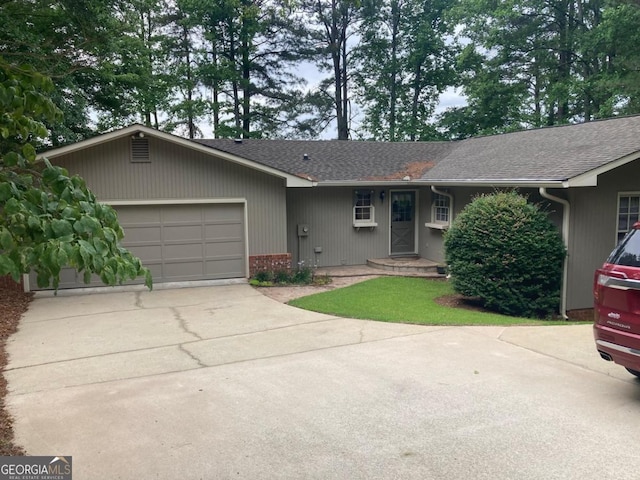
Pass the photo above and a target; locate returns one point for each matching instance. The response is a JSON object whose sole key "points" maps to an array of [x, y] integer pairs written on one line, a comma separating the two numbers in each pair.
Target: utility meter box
{"points": [[303, 230]]}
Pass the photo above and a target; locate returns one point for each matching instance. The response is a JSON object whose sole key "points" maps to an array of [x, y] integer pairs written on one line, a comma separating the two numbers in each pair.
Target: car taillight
{"points": [[604, 275], [604, 278]]}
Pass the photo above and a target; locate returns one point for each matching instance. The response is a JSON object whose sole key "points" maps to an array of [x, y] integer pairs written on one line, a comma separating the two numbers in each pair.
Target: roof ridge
{"points": [[550, 127], [333, 141]]}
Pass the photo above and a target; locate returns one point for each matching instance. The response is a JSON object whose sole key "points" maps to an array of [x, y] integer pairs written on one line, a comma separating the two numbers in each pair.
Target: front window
{"points": [[628, 213], [440, 209], [363, 209]]}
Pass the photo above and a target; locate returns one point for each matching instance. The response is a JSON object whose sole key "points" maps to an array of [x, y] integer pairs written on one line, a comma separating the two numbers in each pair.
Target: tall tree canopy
{"points": [[404, 63], [333, 24], [235, 68], [535, 63], [251, 48]]}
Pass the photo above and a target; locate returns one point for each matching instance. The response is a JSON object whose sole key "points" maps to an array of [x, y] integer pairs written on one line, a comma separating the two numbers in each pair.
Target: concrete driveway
{"points": [[223, 382]]}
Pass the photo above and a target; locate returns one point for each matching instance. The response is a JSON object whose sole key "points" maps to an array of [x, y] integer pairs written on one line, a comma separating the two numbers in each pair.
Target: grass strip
{"points": [[402, 300]]}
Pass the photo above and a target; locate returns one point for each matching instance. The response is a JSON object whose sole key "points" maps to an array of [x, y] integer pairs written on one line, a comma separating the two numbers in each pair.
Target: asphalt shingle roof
{"points": [[338, 160], [553, 153], [545, 154]]}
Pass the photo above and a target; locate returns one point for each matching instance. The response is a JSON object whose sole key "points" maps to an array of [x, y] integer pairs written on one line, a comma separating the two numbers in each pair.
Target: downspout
{"points": [[450, 197], [566, 210]]}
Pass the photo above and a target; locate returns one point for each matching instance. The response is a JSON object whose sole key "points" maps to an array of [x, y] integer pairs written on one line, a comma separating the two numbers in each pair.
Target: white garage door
{"points": [[181, 242]]}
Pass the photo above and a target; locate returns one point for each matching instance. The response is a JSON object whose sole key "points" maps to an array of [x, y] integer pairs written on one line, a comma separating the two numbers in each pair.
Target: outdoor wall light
{"points": [[381, 196]]}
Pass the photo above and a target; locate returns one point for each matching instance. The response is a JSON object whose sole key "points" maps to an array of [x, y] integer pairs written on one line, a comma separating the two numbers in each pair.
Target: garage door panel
{"points": [[183, 270], [216, 249], [68, 278], [183, 213], [224, 230], [138, 216], [137, 233], [183, 251], [224, 268], [182, 232], [179, 242], [148, 252]]}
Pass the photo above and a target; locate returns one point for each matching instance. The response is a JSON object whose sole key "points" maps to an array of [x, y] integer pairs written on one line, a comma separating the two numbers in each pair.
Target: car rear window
{"points": [[627, 253]]}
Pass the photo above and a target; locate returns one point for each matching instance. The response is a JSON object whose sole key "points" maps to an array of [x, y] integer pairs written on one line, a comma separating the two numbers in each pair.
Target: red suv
{"points": [[616, 293]]}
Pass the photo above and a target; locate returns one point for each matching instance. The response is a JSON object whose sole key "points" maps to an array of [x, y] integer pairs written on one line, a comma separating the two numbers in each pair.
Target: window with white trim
{"points": [[440, 206], [363, 209], [628, 213]]}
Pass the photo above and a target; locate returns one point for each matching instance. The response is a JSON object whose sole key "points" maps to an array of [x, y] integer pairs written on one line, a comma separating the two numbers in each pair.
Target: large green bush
{"points": [[507, 252]]}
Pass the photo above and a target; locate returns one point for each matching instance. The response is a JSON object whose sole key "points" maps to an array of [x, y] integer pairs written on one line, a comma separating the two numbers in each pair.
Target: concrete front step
{"points": [[414, 265]]}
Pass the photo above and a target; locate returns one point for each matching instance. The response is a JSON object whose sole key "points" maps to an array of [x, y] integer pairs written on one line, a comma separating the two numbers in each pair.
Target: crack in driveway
{"points": [[192, 356], [183, 323]]}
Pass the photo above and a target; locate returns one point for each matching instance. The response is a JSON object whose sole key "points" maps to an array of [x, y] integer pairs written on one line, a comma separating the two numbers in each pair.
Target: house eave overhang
{"points": [[515, 182], [590, 178], [361, 183], [291, 180]]}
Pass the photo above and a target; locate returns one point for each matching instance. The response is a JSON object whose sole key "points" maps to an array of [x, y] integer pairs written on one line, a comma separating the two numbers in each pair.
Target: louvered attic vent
{"points": [[140, 150]]}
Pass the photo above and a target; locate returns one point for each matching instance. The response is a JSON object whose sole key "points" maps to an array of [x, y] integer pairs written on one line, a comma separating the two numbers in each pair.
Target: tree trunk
{"points": [[246, 78], [234, 83], [191, 127], [215, 92], [417, 80], [565, 24], [344, 134], [393, 88]]}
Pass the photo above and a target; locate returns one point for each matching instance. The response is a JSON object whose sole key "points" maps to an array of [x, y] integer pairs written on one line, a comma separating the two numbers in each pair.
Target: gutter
{"points": [[493, 183], [566, 213], [521, 183]]}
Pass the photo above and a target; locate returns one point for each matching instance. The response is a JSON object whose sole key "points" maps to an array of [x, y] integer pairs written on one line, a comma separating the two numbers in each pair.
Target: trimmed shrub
{"points": [[263, 276], [281, 276], [302, 276], [507, 252]]}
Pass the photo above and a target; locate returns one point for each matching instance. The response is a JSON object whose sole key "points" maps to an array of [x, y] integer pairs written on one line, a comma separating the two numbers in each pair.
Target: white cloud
{"points": [[451, 97]]}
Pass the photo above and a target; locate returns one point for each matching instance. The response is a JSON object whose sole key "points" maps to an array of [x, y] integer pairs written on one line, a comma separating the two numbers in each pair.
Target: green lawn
{"points": [[402, 300]]}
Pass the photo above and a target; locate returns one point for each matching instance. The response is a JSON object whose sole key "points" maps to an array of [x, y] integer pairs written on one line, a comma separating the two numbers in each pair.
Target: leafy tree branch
{"points": [[48, 219]]}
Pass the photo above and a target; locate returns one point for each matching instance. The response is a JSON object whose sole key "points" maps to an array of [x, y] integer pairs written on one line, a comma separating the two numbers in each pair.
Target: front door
{"points": [[403, 225]]}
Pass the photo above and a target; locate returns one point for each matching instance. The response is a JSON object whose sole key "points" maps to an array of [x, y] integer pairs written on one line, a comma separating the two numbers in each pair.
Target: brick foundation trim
{"points": [[269, 263], [583, 314], [7, 283]]}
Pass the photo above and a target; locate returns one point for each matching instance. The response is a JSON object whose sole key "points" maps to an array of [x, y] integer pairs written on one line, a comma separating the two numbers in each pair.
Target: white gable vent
{"points": [[140, 150]]}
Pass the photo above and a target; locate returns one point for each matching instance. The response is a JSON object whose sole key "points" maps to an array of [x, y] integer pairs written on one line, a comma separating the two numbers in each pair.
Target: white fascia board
{"points": [[297, 182], [292, 180], [97, 140], [584, 180]]}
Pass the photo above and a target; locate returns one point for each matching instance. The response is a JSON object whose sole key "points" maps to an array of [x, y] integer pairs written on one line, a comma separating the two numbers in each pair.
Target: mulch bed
{"points": [[12, 305], [456, 300]]}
